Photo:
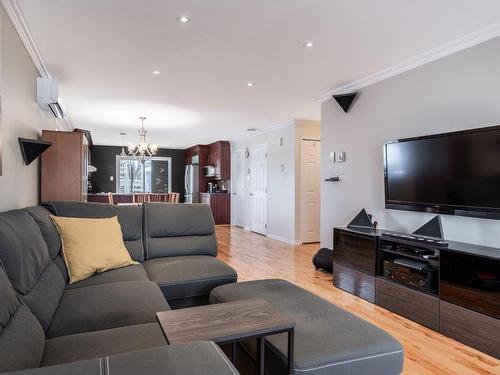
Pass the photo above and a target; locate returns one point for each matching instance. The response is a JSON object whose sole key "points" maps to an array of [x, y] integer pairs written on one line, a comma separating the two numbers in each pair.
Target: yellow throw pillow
{"points": [[91, 245]]}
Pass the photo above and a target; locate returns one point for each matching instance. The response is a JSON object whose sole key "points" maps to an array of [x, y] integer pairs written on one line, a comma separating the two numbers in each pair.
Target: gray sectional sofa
{"points": [[110, 316], [106, 324]]}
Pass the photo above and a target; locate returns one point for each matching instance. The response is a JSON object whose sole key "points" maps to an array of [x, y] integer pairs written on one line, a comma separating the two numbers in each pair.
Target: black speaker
{"points": [[362, 220], [345, 100], [32, 148], [433, 228]]}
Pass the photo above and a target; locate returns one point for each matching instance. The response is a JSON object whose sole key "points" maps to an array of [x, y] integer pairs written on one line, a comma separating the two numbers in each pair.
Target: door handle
{"points": [[251, 194]]}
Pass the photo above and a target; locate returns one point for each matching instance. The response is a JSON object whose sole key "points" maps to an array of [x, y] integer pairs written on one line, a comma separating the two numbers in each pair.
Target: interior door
{"points": [[310, 156], [258, 189], [239, 191]]}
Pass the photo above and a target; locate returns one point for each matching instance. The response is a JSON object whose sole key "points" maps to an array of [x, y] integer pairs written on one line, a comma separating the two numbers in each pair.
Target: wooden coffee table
{"points": [[229, 323]]}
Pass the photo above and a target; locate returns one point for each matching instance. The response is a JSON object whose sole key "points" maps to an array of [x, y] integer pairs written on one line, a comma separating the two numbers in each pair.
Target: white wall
{"points": [[283, 185], [460, 91], [20, 117], [280, 184]]}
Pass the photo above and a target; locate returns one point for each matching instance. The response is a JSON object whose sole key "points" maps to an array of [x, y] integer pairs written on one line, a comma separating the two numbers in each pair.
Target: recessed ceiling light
{"points": [[309, 44], [156, 72], [183, 19], [250, 84]]}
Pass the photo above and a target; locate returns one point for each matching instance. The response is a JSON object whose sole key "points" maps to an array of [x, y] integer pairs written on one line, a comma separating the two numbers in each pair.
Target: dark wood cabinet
{"points": [[423, 308], [354, 282], [465, 302], [355, 262], [219, 155], [357, 251], [64, 166], [220, 206], [472, 328]]}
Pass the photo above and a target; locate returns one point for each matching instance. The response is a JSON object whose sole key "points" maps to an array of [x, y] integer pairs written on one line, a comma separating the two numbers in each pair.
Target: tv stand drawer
{"points": [[412, 304], [472, 328], [354, 282]]}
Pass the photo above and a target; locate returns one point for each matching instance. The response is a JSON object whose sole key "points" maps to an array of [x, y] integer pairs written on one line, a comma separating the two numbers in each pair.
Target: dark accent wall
{"points": [[104, 159]]}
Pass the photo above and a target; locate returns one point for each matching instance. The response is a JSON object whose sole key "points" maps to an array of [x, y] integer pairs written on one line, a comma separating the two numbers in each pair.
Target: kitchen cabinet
{"points": [[220, 205], [219, 155]]}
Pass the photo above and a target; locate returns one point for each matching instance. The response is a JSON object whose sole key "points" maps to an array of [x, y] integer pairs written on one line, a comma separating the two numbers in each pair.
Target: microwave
{"points": [[209, 171]]}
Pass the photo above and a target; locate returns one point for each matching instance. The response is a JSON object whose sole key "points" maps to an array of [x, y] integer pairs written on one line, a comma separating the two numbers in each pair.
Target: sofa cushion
{"points": [[26, 260], [178, 229], [328, 339], [130, 273], [189, 276], [44, 297], [49, 232], [21, 336], [23, 250], [102, 343], [130, 218], [105, 306]]}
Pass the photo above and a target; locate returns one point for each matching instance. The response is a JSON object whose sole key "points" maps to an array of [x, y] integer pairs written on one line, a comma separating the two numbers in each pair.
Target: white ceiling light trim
{"points": [[459, 44]]}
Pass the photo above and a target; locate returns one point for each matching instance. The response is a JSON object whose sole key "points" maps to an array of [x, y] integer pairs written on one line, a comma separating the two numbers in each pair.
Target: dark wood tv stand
{"points": [[462, 302]]}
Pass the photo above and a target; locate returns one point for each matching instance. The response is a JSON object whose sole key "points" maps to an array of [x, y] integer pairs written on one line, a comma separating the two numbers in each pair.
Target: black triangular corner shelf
{"points": [[32, 148], [345, 100]]}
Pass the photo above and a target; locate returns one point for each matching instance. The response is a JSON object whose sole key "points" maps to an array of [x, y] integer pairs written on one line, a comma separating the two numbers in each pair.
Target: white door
{"points": [[258, 189], [310, 154], [239, 191]]}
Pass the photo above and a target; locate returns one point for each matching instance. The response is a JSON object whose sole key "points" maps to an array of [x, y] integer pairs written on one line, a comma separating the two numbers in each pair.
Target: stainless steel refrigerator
{"points": [[191, 184]]}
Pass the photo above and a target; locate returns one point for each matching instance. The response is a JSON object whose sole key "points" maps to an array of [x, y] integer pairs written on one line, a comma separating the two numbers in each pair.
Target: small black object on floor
{"points": [[323, 259]]}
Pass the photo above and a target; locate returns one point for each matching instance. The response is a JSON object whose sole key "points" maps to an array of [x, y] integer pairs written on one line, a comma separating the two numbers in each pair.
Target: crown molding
{"points": [[459, 44], [17, 19]]}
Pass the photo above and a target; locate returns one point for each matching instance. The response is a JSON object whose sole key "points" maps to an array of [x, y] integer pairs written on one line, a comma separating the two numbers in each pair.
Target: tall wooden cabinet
{"points": [[65, 166]]}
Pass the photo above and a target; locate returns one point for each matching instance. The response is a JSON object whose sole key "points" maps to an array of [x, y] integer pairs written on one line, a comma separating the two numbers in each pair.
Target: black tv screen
{"points": [[454, 173]]}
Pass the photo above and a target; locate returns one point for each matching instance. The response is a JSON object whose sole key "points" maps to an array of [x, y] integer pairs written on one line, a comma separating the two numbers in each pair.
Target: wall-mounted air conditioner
{"points": [[47, 96]]}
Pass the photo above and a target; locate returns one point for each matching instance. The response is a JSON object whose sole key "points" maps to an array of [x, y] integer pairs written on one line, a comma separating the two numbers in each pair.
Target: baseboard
{"points": [[283, 239]]}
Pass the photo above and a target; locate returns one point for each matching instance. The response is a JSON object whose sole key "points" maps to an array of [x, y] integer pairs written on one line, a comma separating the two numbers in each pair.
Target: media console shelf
{"points": [[454, 290]]}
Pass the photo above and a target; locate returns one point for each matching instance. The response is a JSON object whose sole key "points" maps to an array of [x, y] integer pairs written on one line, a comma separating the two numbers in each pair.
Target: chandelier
{"points": [[142, 150]]}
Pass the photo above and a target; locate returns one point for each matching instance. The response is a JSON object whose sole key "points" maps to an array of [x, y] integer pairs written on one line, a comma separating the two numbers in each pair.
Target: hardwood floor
{"points": [[426, 352]]}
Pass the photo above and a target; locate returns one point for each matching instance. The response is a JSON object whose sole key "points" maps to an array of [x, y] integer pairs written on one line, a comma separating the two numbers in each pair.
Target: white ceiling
{"points": [[103, 53]]}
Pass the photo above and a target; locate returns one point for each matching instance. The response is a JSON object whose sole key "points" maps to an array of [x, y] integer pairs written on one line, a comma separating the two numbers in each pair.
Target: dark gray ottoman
{"points": [[328, 339]]}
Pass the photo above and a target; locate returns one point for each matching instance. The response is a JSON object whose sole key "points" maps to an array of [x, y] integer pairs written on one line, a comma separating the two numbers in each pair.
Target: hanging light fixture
{"points": [[123, 152], [142, 150]]}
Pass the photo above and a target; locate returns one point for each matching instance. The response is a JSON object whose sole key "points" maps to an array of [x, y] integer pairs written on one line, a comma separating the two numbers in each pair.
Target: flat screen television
{"points": [[454, 173]]}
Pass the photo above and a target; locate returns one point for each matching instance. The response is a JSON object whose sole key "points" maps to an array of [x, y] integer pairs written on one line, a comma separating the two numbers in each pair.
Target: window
{"points": [[151, 176]]}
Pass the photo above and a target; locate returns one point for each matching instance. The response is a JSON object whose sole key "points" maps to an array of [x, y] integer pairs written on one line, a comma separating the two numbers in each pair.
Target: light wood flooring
{"points": [[426, 352]]}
